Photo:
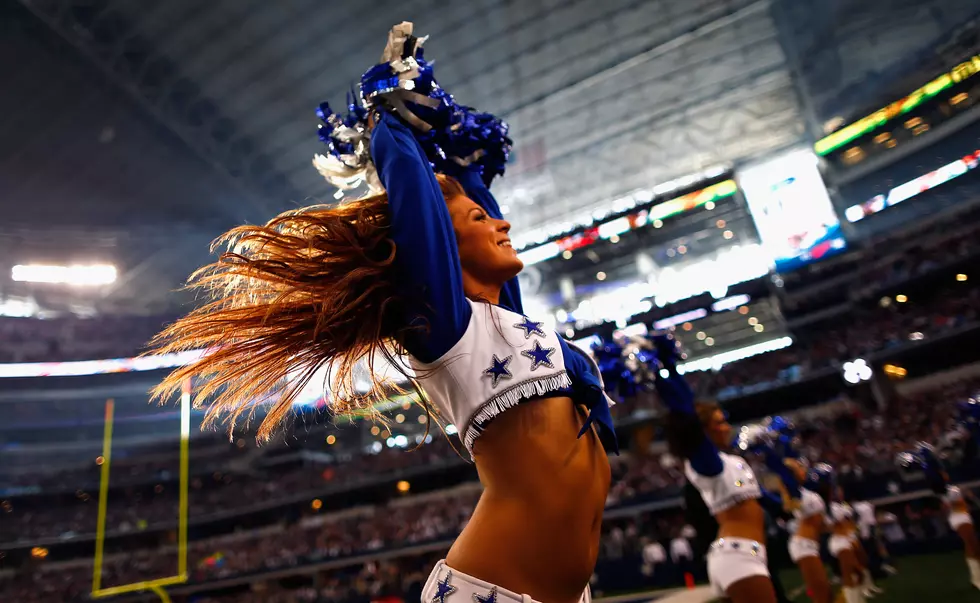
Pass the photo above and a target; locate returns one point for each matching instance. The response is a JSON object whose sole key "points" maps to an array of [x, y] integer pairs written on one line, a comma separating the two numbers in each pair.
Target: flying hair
{"points": [[313, 287]]}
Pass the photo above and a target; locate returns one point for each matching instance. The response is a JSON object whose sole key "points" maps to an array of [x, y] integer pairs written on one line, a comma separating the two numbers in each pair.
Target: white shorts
{"points": [[801, 548], [956, 520], [734, 559], [840, 543], [446, 585]]}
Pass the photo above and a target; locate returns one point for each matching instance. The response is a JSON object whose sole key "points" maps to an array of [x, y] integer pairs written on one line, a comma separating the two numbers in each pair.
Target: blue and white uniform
{"points": [[954, 498], [840, 512], [474, 360], [811, 505], [723, 481]]}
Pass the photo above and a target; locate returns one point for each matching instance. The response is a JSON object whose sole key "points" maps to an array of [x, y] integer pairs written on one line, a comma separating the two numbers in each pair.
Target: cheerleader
{"points": [[809, 508], [953, 499], [962, 523], [426, 268], [870, 536], [841, 546], [868, 585], [696, 432]]}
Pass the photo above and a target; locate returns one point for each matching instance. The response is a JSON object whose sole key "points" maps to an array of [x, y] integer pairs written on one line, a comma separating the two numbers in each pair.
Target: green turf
{"points": [[920, 579]]}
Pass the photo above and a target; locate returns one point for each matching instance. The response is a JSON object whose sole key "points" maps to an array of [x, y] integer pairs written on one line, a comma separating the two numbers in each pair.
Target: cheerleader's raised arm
{"points": [[702, 455], [426, 257]]}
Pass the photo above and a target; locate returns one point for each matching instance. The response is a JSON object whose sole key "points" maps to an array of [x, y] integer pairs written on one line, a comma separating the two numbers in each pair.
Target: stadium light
{"points": [[857, 371], [719, 360], [91, 275]]}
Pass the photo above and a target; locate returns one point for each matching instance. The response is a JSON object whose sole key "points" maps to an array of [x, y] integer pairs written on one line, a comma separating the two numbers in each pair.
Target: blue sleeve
{"points": [[705, 460], [775, 464], [772, 502], [679, 398], [426, 258], [675, 393], [472, 182]]}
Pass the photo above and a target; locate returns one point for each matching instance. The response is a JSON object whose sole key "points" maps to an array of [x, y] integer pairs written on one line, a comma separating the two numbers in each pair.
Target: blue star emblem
{"points": [[498, 369], [539, 356], [444, 589], [530, 327], [490, 598]]}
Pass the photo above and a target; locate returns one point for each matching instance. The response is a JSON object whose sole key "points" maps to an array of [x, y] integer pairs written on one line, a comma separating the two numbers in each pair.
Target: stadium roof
{"points": [[141, 130]]}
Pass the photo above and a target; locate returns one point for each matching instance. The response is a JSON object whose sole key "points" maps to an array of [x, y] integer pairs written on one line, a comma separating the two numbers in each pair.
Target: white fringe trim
{"points": [[509, 398]]}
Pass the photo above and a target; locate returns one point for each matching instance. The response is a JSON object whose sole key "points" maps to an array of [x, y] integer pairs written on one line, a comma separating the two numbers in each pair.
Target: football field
{"points": [[939, 578], [921, 579]]}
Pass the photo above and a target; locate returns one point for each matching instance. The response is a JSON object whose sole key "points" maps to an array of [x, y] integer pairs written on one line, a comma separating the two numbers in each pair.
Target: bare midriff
{"points": [[811, 527], [744, 520], [958, 506], [536, 528], [845, 527]]}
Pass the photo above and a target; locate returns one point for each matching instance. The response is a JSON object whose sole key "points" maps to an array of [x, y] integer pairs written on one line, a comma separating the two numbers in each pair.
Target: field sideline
{"points": [[941, 578]]}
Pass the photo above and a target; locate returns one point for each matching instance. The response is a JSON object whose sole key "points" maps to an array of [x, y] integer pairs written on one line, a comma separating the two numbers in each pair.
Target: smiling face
{"points": [[486, 255], [715, 423]]}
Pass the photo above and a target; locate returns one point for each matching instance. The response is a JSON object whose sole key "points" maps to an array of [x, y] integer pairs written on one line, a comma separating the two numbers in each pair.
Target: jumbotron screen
{"points": [[792, 210]]}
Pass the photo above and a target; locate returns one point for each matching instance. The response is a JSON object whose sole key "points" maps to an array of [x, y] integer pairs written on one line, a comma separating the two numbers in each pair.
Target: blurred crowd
{"points": [[860, 442], [823, 348], [70, 338], [139, 510], [861, 333]]}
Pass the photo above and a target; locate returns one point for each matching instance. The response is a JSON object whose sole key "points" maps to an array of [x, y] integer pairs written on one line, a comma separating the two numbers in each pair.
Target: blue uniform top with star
{"points": [[427, 264]]}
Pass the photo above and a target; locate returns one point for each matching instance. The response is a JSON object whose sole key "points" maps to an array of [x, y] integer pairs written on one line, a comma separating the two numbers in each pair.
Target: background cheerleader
{"points": [[868, 586], [841, 546], [926, 459], [696, 432], [808, 505]]}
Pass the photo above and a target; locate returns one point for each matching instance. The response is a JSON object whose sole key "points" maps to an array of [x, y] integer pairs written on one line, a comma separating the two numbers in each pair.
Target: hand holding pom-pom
{"points": [[452, 136], [668, 350]]}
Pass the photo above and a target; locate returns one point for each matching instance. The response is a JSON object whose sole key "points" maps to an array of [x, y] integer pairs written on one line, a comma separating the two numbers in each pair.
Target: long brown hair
{"points": [[313, 286], [685, 432]]}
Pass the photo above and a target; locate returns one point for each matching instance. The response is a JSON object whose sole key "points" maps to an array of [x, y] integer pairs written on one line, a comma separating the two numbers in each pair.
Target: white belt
{"points": [[446, 585], [742, 545]]}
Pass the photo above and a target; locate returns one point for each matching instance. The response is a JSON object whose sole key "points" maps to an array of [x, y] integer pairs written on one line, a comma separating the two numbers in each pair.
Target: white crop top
{"points": [[736, 483], [953, 494], [811, 504], [840, 512], [501, 360]]}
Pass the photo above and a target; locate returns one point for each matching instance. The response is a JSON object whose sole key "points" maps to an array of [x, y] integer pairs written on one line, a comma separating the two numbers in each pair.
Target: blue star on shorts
{"points": [[491, 596], [498, 369], [530, 327], [444, 589], [539, 356]]}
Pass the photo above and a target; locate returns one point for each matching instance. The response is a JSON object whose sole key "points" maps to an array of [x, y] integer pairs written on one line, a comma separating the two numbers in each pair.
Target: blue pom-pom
{"points": [[969, 415], [347, 161], [821, 478], [451, 135], [923, 458], [324, 112], [668, 351]]}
